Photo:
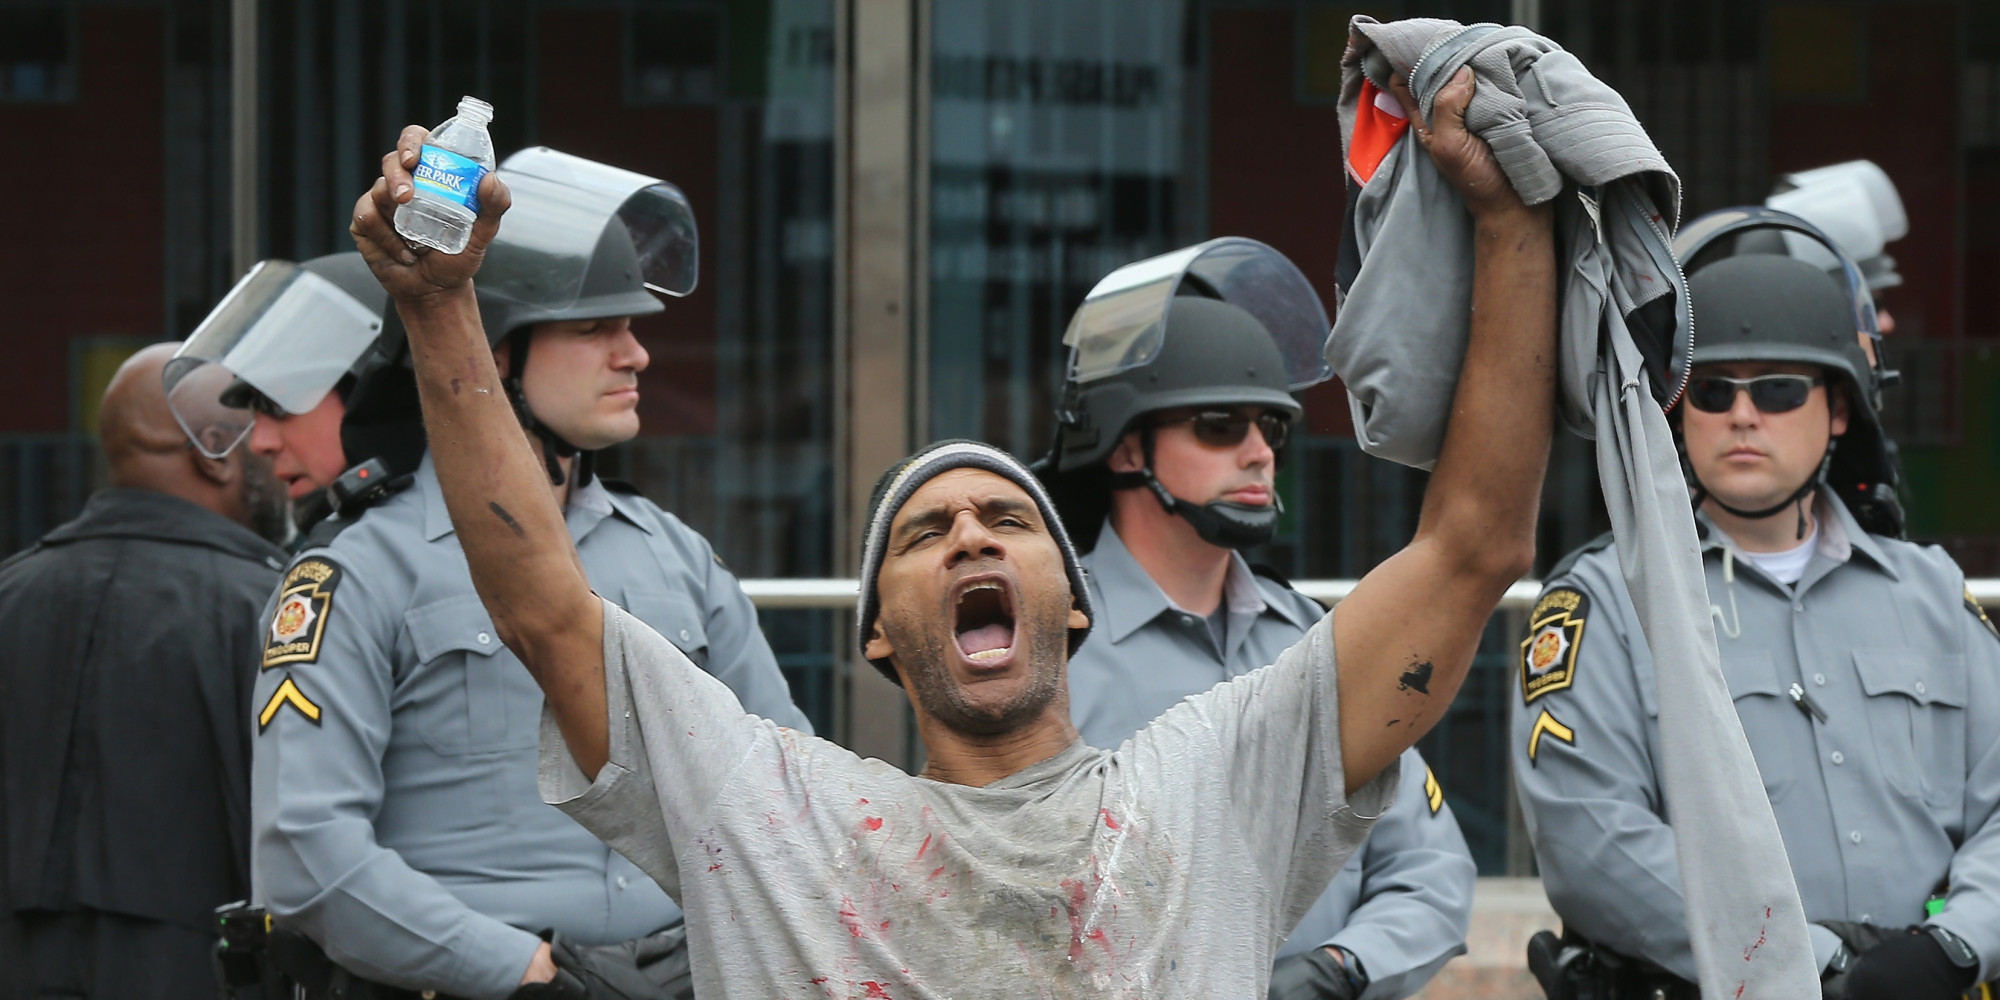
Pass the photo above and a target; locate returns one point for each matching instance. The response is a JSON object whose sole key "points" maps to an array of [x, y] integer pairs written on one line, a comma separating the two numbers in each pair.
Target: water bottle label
{"points": [[447, 175]]}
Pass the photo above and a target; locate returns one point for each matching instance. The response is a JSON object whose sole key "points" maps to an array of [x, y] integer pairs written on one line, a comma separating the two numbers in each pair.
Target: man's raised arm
{"points": [[515, 540], [1406, 636]]}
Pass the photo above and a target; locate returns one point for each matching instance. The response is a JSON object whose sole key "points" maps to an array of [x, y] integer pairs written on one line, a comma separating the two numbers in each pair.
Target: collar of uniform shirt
{"points": [[594, 501], [1131, 599], [1840, 537]]}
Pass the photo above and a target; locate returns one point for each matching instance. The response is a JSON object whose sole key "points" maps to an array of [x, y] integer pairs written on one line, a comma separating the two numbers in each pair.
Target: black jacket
{"points": [[130, 639]]}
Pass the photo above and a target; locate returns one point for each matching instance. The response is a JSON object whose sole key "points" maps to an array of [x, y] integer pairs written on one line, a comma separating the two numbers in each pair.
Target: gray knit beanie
{"points": [[909, 475]]}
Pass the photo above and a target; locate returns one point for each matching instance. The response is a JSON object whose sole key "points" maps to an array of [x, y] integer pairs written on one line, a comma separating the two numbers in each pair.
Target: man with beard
{"points": [[124, 721], [1176, 459], [1021, 861]]}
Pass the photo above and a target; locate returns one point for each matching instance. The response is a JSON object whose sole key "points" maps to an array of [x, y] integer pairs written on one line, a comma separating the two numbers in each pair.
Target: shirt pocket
{"points": [[675, 616], [1761, 705], [1916, 712], [474, 699]]}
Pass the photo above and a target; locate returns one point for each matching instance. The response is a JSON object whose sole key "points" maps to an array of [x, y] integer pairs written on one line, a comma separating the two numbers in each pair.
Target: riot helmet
{"points": [[583, 240], [285, 336], [1754, 300], [1228, 322]]}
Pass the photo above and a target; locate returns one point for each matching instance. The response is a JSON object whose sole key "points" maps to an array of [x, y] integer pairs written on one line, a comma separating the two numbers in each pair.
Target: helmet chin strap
{"points": [[1222, 523], [554, 446], [1798, 496]]}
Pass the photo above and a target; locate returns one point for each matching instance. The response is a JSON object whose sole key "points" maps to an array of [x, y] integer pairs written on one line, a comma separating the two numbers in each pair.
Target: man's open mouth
{"points": [[985, 620]]}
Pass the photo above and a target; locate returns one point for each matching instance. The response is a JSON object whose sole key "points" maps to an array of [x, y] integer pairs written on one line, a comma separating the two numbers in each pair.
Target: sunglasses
{"points": [[1227, 429], [1769, 393]]}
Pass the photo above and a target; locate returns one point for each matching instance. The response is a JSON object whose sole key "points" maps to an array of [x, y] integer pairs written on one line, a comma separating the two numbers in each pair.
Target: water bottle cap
{"points": [[475, 110]]}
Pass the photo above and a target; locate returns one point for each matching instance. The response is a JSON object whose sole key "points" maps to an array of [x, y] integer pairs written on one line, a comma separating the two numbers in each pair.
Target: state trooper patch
{"points": [[1555, 631], [303, 605]]}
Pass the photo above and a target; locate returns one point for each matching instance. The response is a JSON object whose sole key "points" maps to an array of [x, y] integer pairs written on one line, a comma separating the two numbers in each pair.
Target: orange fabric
{"points": [[1376, 129]]}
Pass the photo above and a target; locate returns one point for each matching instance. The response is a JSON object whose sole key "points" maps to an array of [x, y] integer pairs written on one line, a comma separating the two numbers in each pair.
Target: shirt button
{"points": [[1839, 758], [1855, 836], [1920, 687], [621, 881], [1819, 679], [1187, 620], [1796, 606], [484, 638], [1867, 918], [684, 635]]}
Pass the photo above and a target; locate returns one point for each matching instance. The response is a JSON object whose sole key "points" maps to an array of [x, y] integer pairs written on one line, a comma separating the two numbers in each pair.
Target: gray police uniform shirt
{"points": [[1893, 792], [395, 815], [1169, 867], [1402, 903]]}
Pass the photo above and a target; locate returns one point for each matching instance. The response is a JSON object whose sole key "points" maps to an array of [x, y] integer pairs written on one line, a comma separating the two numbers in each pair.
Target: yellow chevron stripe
{"points": [[1433, 792], [1546, 723], [288, 693]]}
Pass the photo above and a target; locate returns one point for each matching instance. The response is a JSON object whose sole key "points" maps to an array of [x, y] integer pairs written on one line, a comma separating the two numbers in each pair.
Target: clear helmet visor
{"points": [[562, 204], [195, 389], [1123, 321], [283, 331]]}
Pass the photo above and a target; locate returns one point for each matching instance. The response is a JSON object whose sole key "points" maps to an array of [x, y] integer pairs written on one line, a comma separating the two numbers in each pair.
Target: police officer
{"points": [[397, 822], [129, 632], [1165, 456], [1866, 679], [295, 400]]}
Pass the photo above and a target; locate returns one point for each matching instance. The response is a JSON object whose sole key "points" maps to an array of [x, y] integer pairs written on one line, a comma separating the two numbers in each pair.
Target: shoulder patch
{"points": [[304, 602], [1546, 725], [1979, 612], [1433, 792], [1555, 632], [288, 693]]}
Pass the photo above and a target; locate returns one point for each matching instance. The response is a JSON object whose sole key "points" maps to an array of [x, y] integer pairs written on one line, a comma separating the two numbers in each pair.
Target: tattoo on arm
{"points": [[507, 519]]}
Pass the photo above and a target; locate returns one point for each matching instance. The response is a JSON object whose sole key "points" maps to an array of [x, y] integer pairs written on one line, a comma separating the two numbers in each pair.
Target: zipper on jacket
{"points": [[1681, 289]]}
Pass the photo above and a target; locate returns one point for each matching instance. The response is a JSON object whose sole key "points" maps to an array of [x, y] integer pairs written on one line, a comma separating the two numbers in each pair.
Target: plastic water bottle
{"points": [[449, 169]]}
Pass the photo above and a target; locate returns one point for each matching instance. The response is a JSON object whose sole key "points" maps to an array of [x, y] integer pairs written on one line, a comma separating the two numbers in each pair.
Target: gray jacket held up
{"points": [[1561, 134]]}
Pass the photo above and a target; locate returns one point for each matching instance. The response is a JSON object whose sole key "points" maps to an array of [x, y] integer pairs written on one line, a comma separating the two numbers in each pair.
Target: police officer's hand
{"points": [[407, 270], [1905, 966], [1464, 159], [542, 967], [1313, 975]]}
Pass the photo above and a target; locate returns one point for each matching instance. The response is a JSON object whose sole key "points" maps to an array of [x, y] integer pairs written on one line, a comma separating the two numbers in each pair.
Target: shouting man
{"points": [[1022, 858]]}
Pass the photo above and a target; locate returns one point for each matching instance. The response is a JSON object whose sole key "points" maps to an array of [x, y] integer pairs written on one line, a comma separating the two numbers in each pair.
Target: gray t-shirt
{"points": [[1172, 866]]}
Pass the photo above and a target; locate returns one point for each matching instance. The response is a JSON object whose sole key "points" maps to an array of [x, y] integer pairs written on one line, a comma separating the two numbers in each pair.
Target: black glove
{"points": [[1314, 975], [1904, 966], [563, 987], [654, 967]]}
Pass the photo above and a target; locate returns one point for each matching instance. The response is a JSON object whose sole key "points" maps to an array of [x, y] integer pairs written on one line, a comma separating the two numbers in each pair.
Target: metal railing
{"points": [[840, 592]]}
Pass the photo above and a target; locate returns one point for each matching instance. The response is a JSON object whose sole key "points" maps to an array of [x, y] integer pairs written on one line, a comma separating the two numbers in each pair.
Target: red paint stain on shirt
{"points": [[1097, 934], [1078, 895], [1108, 820], [925, 846], [715, 867], [874, 990], [849, 917], [872, 822]]}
